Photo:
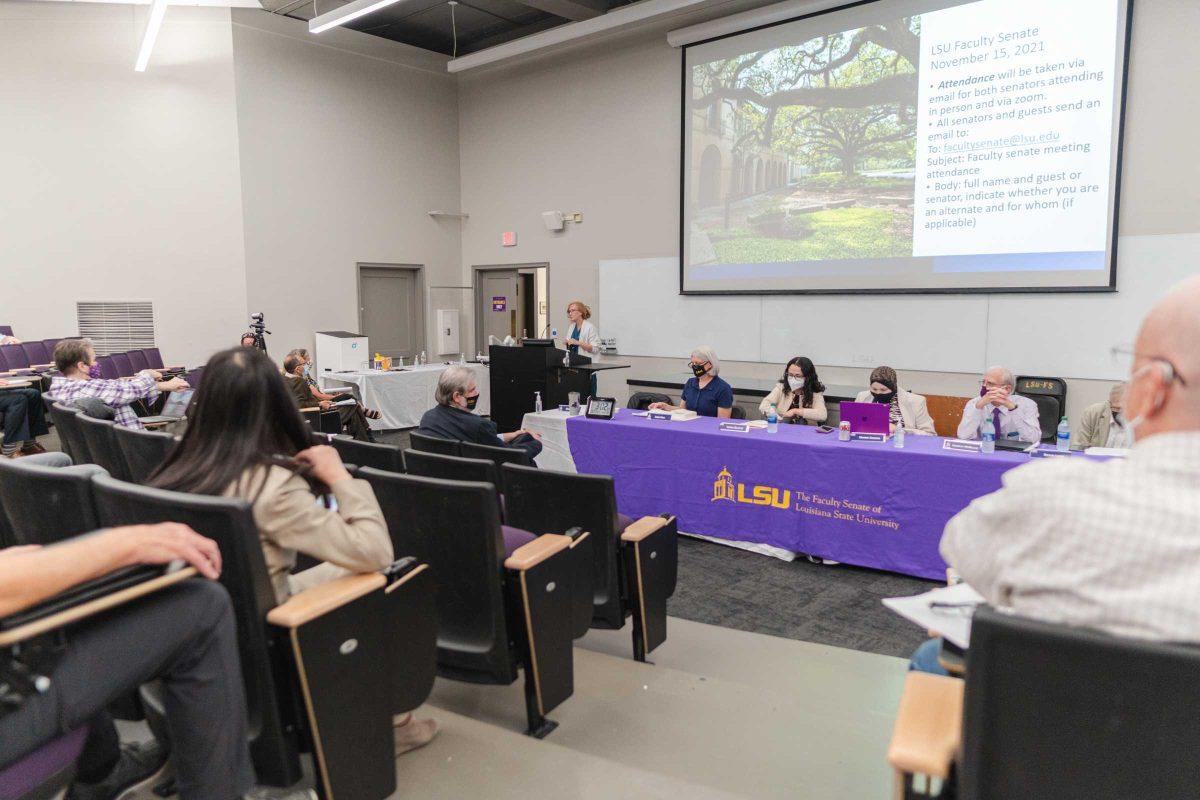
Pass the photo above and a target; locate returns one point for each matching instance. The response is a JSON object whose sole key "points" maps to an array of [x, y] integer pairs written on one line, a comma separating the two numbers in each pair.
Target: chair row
{"points": [[129, 454], [39, 356]]}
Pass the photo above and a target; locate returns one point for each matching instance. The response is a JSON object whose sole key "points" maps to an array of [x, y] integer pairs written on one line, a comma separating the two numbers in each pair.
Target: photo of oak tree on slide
{"points": [[806, 152]]}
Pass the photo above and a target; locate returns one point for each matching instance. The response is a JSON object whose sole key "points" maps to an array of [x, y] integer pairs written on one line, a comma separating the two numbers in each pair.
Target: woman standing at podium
{"points": [[583, 339]]}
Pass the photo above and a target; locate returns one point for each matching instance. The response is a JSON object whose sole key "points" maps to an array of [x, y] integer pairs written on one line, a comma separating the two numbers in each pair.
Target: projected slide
{"points": [[906, 145]]}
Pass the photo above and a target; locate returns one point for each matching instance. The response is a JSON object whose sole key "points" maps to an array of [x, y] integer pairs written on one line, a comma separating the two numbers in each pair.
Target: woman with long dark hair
{"points": [[799, 397]]}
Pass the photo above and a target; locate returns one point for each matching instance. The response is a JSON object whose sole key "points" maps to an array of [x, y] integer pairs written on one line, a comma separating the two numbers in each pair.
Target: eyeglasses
{"points": [[991, 384], [1126, 355]]}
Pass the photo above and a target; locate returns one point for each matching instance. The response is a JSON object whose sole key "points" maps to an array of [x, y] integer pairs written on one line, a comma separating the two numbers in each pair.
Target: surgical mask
{"points": [[1119, 417], [883, 397], [94, 371], [794, 383], [699, 369], [472, 402], [307, 370]]}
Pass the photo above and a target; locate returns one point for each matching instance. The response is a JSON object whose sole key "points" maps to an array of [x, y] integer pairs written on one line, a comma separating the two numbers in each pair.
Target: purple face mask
{"points": [[94, 371]]}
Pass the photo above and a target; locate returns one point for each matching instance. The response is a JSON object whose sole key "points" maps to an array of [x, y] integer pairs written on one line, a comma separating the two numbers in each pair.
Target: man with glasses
{"points": [[1111, 545], [1000, 411]]}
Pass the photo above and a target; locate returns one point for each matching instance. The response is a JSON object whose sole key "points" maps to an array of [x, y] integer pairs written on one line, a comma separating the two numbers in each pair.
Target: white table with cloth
{"points": [[401, 397]]}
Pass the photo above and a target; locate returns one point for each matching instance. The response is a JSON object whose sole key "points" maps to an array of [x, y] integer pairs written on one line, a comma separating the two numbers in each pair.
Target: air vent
{"points": [[117, 327]]}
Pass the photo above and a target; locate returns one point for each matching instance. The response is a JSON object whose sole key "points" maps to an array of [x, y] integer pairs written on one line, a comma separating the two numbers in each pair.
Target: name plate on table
{"points": [[736, 427], [1046, 453], [868, 437], [962, 445], [663, 415]]}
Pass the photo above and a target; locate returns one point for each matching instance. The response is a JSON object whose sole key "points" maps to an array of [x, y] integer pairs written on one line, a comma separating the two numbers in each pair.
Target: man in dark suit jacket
{"points": [[354, 419], [454, 416]]}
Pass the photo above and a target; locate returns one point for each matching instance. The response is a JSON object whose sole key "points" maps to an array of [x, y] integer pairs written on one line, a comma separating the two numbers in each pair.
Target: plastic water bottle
{"points": [[898, 437], [537, 402], [1064, 436], [989, 441], [772, 420], [424, 358]]}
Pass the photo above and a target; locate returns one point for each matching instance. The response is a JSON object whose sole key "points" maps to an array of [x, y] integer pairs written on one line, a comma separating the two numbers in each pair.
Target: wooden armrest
{"points": [[160, 424], [319, 600], [41, 366], [530, 555], [578, 538], [310, 408], [928, 726], [642, 528], [93, 607]]}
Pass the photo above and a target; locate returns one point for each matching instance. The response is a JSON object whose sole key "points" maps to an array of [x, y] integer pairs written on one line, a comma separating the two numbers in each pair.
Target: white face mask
{"points": [[795, 384]]}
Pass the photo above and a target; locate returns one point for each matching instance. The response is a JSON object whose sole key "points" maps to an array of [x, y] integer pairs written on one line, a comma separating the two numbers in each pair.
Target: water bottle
{"points": [[537, 402], [989, 441], [1064, 436], [898, 437], [424, 359], [772, 420]]}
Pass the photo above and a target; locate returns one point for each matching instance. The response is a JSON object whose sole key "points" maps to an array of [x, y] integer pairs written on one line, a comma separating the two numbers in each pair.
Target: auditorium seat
{"points": [[1050, 394], [496, 615], [326, 670], [137, 360], [108, 368], [434, 444], [634, 564], [454, 468], [101, 439], [123, 364], [70, 434], [946, 412], [43, 505], [14, 357], [6, 330], [497, 455], [368, 454], [47, 771], [1054, 711], [322, 421], [50, 345], [35, 353], [144, 451]]}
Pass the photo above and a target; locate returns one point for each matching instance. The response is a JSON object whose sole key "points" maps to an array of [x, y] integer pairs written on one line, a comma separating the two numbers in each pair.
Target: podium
{"points": [[517, 373]]}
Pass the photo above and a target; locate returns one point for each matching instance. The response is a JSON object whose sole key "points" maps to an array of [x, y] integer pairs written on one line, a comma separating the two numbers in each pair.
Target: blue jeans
{"points": [[925, 658]]}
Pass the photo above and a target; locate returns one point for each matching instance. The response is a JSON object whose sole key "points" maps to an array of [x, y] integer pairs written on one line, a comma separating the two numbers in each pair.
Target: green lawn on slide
{"points": [[836, 233]]}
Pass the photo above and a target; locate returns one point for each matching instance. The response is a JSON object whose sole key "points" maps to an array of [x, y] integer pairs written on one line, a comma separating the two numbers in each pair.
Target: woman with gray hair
{"points": [[454, 416], [706, 394]]}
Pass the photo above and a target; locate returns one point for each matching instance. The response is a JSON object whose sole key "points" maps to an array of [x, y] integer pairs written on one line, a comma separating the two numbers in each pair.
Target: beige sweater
{"points": [[781, 398], [290, 520]]}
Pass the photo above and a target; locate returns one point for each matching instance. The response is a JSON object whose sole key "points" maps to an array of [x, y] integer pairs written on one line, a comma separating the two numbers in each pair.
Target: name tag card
{"points": [[736, 427], [868, 437], [662, 415], [963, 445], [1043, 452]]}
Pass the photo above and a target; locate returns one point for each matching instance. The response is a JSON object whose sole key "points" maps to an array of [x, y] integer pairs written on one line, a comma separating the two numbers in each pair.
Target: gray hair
{"points": [[453, 379], [1118, 390], [708, 354], [1006, 376]]}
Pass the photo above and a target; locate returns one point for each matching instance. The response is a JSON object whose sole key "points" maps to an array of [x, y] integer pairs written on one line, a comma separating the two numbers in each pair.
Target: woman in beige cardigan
{"points": [[799, 397], [905, 408], [246, 439]]}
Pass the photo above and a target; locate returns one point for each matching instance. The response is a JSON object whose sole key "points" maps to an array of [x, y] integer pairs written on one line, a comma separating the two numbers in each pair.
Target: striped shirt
{"points": [[1112, 545], [116, 393]]}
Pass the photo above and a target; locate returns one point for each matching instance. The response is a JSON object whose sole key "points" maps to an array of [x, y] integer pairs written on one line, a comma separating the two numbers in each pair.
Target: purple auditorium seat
{"points": [[14, 356], [138, 360], [153, 357], [108, 369], [193, 377], [514, 538], [36, 352], [50, 344], [123, 364], [44, 771], [6, 330]]}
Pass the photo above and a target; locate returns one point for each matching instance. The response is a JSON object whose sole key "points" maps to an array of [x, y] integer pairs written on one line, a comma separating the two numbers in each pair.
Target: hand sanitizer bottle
{"points": [[537, 402]]}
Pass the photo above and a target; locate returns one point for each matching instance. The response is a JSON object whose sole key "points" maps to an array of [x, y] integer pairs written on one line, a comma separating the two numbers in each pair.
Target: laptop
{"points": [[866, 417], [173, 410]]}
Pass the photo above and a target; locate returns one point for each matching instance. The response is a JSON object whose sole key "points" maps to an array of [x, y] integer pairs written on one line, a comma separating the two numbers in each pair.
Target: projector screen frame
{"points": [[684, 119]]}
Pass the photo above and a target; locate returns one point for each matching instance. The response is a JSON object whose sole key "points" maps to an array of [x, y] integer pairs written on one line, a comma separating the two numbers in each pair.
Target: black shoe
{"points": [[140, 766]]}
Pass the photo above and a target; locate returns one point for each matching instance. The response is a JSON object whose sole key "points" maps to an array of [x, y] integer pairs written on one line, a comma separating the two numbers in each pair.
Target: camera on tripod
{"points": [[258, 327]]}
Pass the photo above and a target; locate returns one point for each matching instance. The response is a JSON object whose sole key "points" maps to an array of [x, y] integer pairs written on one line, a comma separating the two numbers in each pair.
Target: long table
{"points": [[401, 397], [863, 503]]}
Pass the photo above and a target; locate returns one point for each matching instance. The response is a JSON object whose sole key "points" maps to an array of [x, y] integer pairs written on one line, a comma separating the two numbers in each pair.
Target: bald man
{"points": [[1112, 545], [1000, 411]]}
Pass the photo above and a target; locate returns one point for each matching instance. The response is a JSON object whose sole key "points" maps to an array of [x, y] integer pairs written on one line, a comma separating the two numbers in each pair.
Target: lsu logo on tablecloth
{"points": [[724, 488]]}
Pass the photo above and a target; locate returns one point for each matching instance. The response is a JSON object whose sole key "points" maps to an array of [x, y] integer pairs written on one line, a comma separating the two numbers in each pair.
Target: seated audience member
{"points": [[306, 361], [1008, 415], [24, 420], [906, 409], [76, 360], [1103, 424], [248, 339], [706, 393], [247, 440], [1110, 545], [454, 416], [353, 417], [799, 397], [183, 636]]}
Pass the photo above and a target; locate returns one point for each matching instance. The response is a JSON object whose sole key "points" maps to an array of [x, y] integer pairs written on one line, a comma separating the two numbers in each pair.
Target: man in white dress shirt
{"points": [[1008, 415], [1111, 545]]}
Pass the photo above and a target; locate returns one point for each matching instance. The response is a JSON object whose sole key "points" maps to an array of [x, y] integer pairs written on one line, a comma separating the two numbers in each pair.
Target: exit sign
{"points": [[508, 239]]}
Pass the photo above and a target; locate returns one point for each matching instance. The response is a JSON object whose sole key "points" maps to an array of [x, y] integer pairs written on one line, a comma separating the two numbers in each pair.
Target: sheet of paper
{"points": [[952, 623], [348, 402], [1114, 452]]}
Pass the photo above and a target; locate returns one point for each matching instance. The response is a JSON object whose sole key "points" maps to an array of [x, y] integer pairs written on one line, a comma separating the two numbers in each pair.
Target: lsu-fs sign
{"points": [[724, 488]]}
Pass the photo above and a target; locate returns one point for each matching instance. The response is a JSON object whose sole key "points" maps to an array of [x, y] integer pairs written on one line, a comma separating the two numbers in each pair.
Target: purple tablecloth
{"points": [[861, 503]]}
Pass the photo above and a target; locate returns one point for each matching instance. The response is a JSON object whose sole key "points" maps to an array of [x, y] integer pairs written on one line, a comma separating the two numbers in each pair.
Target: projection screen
{"points": [[907, 146]]}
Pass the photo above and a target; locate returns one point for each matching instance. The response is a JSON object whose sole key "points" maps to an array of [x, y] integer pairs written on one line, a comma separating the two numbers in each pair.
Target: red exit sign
{"points": [[508, 239]]}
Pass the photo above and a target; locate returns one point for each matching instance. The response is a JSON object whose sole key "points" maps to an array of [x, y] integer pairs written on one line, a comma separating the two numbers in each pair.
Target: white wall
{"points": [[119, 185], [597, 131]]}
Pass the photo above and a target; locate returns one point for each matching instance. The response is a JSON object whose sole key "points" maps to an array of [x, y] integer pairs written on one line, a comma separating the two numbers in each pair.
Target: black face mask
{"points": [[699, 369], [471, 402], [886, 397]]}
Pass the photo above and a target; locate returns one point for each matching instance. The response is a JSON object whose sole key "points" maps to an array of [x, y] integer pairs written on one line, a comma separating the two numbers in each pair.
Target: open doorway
{"points": [[510, 300]]}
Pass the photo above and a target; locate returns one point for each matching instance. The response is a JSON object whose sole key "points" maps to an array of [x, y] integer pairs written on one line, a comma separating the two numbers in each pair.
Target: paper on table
{"points": [[347, 402], [952, 623], [1114, 452]]}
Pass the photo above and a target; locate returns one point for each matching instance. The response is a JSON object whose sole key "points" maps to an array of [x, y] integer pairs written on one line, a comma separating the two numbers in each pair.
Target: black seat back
{"points": [[1052, 711], [230, 523], [43, 505], [497, 455], [102, 444], [1050, 394], [452, 468], [434, 444], [144, 451], [642, 400], [454, 526], [546, 501], [70, 434], [369, 454]]}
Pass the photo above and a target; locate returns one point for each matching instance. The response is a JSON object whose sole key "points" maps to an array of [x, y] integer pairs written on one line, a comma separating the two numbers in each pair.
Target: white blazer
{"points": [[914, 411], [588, 335]]}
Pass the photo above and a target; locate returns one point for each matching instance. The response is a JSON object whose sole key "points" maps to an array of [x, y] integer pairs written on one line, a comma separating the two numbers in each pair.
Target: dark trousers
{"points": [[355, 423], [528, 444], [184, 636], [24, 415]]}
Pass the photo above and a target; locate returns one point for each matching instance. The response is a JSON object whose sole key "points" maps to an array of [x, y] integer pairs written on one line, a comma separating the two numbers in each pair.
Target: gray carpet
{"points": [[835, 605]]}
